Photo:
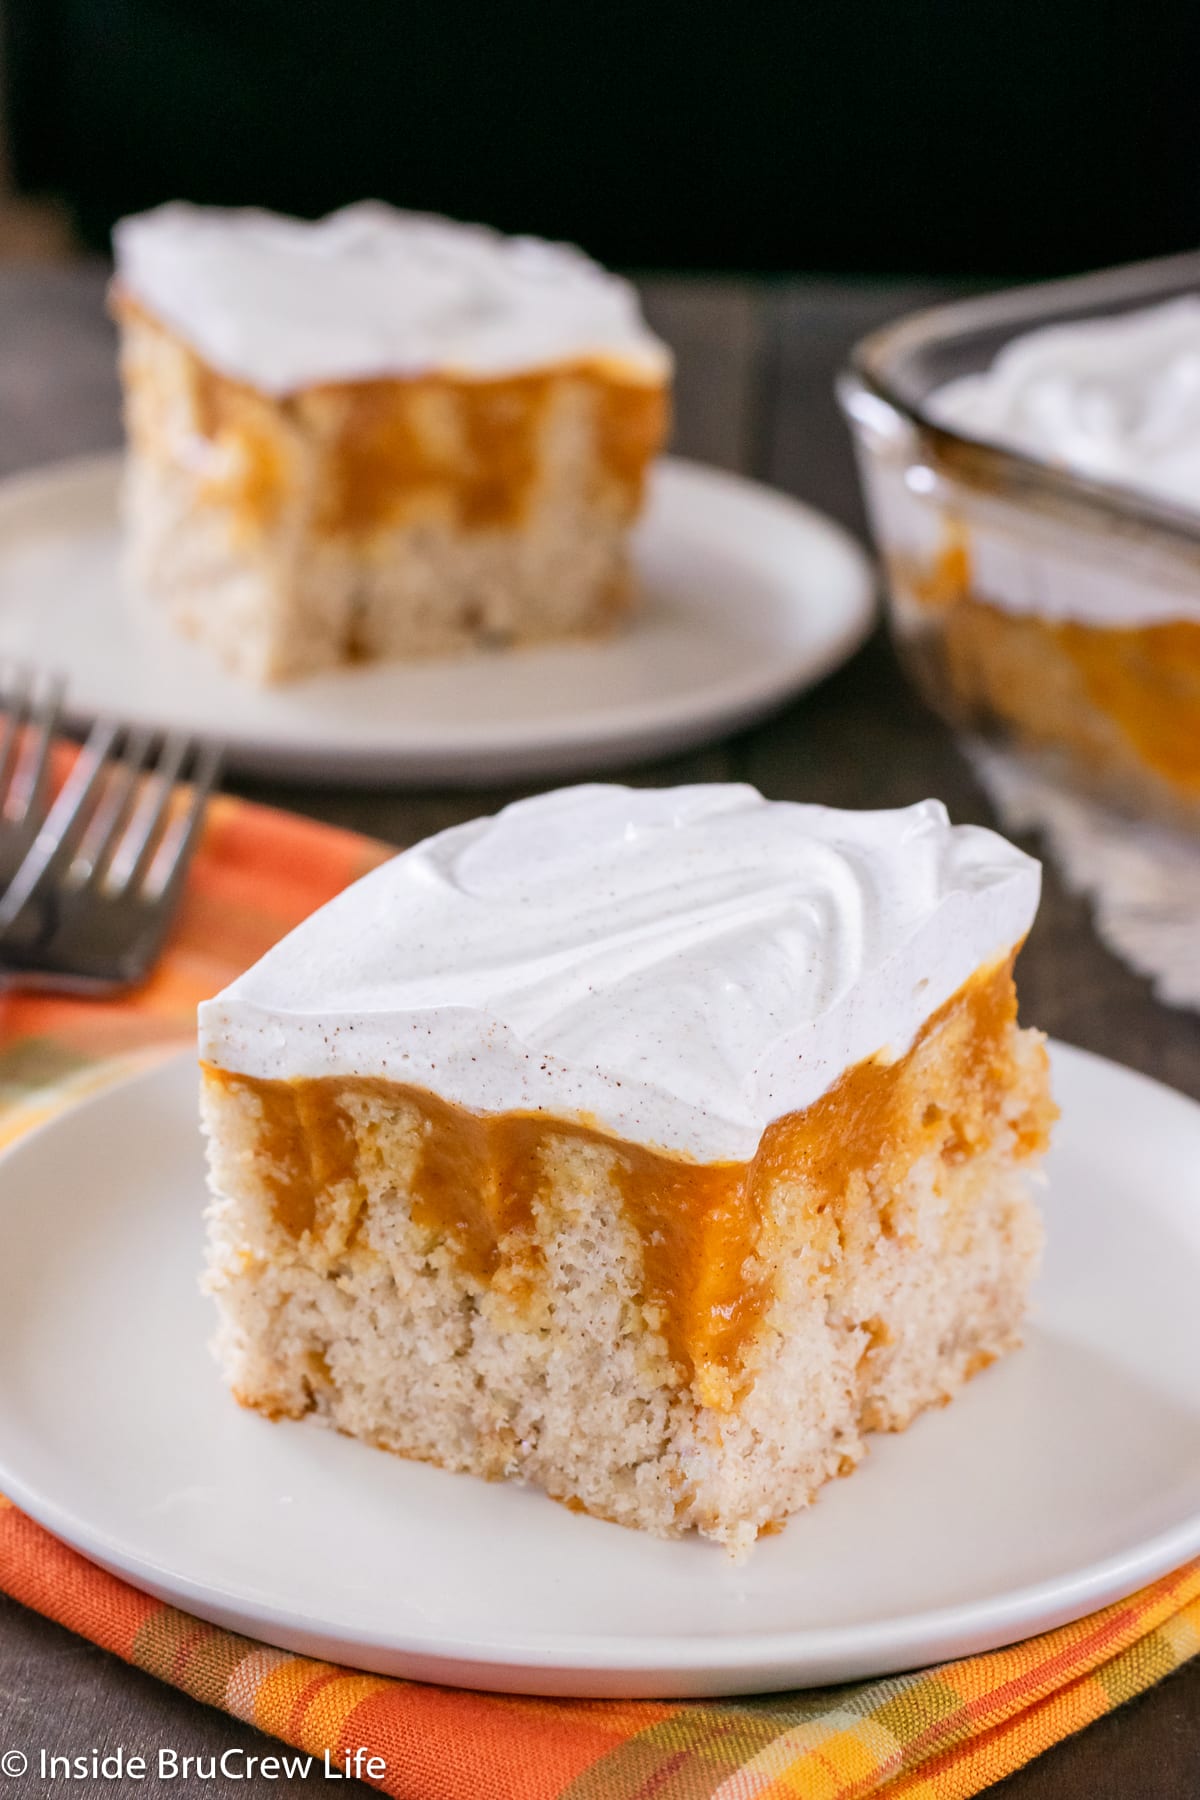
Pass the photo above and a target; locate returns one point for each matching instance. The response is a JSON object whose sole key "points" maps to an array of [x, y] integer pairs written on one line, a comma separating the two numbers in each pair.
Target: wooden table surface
{"points": [[755, 369]]}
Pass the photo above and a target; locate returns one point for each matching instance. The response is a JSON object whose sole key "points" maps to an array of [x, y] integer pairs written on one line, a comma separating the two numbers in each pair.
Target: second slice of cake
{"points": [[378, 435], [651, 1146]]}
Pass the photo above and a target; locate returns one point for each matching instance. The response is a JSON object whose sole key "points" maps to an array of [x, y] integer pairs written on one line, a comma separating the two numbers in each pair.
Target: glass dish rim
{"points": [[870, 371]]}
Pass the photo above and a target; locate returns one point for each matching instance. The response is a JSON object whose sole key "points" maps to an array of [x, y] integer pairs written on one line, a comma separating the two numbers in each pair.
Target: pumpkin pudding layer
{"points": [[1118, 704], [377, 435], [651, 1147]]}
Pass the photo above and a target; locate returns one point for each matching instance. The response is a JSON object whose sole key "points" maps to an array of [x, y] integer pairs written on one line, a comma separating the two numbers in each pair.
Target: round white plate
{"points": [[1061, 1479], [748, 597]]}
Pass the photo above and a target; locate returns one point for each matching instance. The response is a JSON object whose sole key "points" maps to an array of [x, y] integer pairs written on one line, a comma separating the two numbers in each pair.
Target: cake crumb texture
{"points": [[516, 1318]]}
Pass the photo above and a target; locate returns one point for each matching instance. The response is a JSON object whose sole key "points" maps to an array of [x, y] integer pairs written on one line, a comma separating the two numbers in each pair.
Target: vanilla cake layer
{"points": [[378, 436], [653, 1306]]}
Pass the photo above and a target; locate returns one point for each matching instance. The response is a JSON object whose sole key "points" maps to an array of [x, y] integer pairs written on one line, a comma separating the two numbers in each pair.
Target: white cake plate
{"points": [[1061, 1479], [748, 598]]}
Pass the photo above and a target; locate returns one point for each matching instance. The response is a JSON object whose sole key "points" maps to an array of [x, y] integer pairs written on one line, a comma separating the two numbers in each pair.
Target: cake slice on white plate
{"points": [[381, 434], [649, 1146]]}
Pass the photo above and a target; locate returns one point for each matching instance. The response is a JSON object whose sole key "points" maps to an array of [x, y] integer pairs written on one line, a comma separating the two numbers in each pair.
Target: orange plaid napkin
{"points": [[940, 1733]]}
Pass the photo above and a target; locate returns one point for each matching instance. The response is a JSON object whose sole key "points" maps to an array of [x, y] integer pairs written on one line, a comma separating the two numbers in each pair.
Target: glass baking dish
{"points": [[1033, 606]]}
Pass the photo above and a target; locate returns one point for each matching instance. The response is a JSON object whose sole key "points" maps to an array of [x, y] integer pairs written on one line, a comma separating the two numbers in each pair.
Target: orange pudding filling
{"points": [[1122, 699], [1147, 679]]}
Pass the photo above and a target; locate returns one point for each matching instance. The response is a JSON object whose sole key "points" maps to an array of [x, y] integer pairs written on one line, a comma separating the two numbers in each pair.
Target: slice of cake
{"points": [[647, 1145], [379, 435]]}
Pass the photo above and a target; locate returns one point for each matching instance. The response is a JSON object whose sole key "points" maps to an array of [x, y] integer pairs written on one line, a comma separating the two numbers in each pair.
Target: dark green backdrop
{"points": [[977, 136]]}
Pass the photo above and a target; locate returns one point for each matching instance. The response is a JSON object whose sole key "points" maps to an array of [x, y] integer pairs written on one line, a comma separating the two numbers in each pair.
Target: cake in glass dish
{"points": [[648, 1146], [1032, 464], [378, 435]]}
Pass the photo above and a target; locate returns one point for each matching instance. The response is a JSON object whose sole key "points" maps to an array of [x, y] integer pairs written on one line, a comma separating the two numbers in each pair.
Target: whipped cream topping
{"points": [[1116, 399], [678, 966], [285, 304]]}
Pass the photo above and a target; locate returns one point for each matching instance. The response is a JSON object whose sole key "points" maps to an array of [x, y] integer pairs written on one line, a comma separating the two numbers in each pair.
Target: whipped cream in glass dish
{"points": [[1031, 462], [1117, 399]]}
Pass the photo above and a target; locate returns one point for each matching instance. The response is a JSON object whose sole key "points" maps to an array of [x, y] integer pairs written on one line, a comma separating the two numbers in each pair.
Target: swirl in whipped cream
{"points": [[1116, 399], [680, 966], [370, 291]]}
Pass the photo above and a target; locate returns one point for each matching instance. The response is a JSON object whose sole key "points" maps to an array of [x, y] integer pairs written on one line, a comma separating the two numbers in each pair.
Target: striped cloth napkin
{"points": [[940, 1733]]}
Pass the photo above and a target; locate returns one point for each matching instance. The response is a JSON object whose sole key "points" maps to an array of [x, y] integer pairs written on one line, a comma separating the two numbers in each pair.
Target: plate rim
{"points": [[700, 1664], [594, 739]]}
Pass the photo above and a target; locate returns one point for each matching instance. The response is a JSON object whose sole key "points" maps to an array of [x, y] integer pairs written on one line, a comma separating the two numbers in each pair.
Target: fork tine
{"points": [[112, 814], [135, 853], [35, 764], [170, 864], [64, 823], [16, 707]]}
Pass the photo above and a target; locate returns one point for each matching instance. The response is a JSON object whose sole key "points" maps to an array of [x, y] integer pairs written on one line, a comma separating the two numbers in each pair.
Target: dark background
{"points": [[980, 137]]}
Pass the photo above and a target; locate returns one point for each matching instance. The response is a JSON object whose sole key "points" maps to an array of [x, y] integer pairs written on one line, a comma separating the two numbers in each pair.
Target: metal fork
{"points": [[88, 908], [31, 711]]}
